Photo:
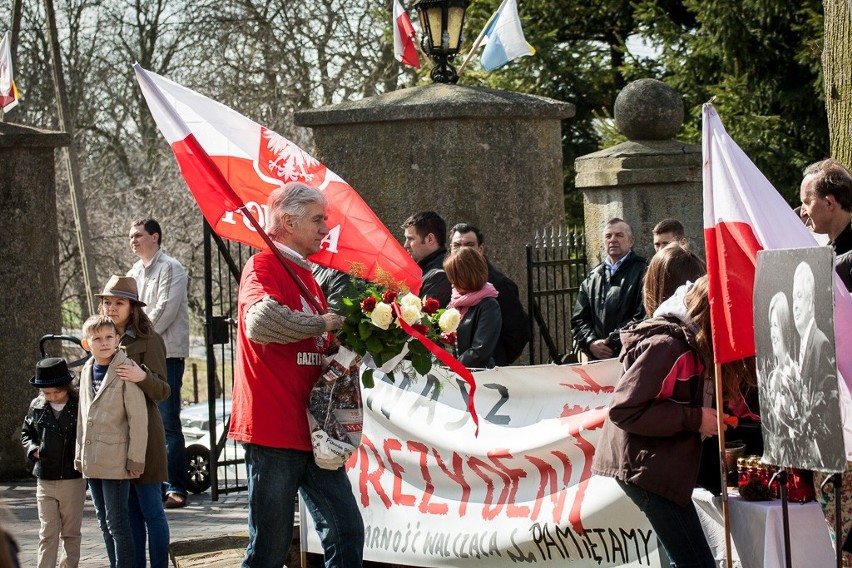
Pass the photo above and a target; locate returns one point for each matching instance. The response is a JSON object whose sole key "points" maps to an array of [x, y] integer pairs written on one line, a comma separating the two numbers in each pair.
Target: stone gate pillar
{"points": [[486, 157], [646, 179], [29, 257]]}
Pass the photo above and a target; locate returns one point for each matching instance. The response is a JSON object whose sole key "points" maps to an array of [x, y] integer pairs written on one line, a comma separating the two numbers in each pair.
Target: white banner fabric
{"points": [[432, 494]]}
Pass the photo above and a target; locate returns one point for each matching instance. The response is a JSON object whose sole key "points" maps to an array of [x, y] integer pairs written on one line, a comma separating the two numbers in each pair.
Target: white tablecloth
{"points": [[757, 531]]}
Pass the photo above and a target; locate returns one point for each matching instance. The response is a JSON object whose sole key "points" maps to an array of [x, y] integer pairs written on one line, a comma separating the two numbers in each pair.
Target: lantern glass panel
{"points": [[454, 26], [435, 13]]}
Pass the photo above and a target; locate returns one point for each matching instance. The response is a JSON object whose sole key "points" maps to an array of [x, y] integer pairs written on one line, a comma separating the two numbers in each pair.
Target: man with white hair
{"points": [[816, 356], [280, 346]]}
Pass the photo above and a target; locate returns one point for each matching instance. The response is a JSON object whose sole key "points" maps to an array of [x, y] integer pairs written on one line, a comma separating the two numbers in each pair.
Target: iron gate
{"points": [[223, 264], [556, 266]]}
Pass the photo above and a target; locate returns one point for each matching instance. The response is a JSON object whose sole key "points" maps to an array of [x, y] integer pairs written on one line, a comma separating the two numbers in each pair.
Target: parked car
{"points": [[195, 422], [195, 418]]}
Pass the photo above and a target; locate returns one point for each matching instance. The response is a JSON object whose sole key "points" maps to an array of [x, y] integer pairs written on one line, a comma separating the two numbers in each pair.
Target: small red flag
{"points": [[403, 37]]}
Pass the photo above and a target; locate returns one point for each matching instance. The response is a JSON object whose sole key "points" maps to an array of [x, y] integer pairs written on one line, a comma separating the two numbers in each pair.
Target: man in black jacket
{"points": [[515, 329], [425, 241], [610, 298]]}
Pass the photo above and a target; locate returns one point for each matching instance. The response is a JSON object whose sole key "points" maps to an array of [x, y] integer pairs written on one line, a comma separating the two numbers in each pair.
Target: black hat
{"points": [[51, 372]]}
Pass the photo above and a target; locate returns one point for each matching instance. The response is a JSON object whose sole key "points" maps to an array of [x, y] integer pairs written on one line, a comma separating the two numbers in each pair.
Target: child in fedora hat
{"points": [[48, 435]]}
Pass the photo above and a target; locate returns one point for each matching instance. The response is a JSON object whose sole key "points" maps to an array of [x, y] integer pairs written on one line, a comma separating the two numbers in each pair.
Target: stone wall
{"points": [[29, 256], [641, 182], [646, 179]]}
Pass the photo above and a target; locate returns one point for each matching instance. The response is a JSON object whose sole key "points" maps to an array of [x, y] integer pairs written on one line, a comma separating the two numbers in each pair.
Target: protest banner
{"points": [[432, 494]]}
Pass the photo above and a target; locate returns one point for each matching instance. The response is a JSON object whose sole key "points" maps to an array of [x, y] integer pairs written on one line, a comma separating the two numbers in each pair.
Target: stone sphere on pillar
{"points": [[648, 109]]}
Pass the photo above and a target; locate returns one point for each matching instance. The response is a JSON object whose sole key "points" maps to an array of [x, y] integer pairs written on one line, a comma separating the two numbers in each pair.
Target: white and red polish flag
{"points": [[229, 160], [743, 214], [403, 37]]}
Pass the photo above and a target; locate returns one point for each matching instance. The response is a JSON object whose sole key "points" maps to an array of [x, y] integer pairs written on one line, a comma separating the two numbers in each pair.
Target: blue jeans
{"points": [[677, 528], [148, 516], [175, 444], [109, 497], [274, 477]]}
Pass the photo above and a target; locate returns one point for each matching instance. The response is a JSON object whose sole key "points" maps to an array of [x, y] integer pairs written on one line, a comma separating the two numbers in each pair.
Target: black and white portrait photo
{"points": [[796, 363]]}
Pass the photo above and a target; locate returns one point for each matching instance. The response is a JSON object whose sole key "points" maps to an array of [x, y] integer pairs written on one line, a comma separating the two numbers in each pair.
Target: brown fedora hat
{"points": [[121, 287]]}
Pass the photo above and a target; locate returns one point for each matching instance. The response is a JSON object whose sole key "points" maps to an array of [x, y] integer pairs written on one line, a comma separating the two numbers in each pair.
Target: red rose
{"points": [[448, 337], [420, 328], [431, 306], [368, 304], [389, 296]]}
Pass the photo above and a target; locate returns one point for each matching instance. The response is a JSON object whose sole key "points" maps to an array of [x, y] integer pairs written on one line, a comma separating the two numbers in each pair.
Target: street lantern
{"points": [[441, 22]]}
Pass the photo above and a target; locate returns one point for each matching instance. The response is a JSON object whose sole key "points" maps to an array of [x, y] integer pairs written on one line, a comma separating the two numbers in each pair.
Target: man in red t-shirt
{"points": [[280, 346]]}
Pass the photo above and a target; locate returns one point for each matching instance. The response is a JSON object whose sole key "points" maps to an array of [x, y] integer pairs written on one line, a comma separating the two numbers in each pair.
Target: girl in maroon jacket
{"points": [[660, 410]]}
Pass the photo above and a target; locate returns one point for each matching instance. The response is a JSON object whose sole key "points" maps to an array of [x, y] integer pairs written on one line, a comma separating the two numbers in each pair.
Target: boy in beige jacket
{"points": [[112, 431]]}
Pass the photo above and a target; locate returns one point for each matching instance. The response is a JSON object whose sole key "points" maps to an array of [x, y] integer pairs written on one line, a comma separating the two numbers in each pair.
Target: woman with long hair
{"points": [[661, 408], [782, 416], [669, 269], [146, 349], [476, 299]]}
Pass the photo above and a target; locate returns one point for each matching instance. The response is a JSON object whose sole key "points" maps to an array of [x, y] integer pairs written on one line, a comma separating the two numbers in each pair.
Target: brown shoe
{"points": [[174, 501]]}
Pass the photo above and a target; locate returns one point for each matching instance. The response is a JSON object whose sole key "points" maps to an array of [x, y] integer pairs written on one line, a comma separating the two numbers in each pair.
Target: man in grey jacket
{"points": [[162, 285]]}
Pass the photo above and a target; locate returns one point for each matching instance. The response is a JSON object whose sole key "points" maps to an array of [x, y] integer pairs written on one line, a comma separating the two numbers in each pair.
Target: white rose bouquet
{"points": [[372, 329]]}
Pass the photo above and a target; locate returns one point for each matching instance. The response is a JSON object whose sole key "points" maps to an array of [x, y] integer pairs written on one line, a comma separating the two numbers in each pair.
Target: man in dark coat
{"points": [[610, 298], [425, 241], [515, 328]]}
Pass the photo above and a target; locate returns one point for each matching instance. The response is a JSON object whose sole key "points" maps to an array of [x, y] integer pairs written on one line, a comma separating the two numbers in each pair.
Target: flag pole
{"points": [[225, 187], [469, 55], [197, 149], [723, 468], [72, 163], [413, 38]]}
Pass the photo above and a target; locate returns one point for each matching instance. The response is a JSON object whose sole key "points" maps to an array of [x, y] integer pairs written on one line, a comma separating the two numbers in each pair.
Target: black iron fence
{"points": [[556, 266], [224, 469]]}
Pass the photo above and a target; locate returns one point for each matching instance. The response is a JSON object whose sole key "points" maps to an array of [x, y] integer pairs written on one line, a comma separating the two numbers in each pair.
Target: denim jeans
{"points": [[147, 517], [175, 444], [109, 497], [274, 477], [677, 528]]}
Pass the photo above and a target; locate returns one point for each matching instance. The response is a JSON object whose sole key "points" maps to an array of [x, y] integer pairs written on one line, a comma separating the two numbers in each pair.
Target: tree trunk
{"points": [[837, 68]]}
